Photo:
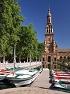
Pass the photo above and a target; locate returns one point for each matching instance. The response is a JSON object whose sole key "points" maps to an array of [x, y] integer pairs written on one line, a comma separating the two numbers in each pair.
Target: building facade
{"points": [[51, 52]]}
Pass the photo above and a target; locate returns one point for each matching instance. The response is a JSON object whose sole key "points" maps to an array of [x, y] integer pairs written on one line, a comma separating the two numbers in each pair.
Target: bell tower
{"points": [[49, 35], [50, 51]]}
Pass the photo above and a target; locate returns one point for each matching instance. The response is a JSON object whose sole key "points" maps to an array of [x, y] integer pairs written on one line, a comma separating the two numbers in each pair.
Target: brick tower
{"points": [[51, 48]]}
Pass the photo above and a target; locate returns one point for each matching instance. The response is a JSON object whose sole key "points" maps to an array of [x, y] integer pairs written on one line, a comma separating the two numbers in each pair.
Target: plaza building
{"points": [[51, 52]]}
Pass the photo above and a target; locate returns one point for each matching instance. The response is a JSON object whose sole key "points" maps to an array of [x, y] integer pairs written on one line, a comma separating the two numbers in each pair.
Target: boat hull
{"points": [[63, 85], [21, 81]]}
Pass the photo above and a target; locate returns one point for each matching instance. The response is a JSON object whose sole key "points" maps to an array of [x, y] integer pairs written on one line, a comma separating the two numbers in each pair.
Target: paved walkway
{"points": [[42, 81], [40, 86]]}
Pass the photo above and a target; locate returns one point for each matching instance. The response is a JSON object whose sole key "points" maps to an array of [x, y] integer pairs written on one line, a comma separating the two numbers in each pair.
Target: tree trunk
{"points": [[4, 59], [27, 59], [19, 59]]}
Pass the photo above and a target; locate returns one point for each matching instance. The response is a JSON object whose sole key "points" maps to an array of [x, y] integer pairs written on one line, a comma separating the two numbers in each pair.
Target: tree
{"points": [[5, 24], [41, 47], [27, 43], [11, 24]]}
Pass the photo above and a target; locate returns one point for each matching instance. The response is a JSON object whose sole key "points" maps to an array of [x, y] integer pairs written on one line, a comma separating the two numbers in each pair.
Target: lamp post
{"points": [[30, 58], [14, 61], [36, 60]]}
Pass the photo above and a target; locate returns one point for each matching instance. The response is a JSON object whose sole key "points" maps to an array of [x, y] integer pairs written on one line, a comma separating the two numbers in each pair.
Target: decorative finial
{"points": [[49, 6], [49, 11]]}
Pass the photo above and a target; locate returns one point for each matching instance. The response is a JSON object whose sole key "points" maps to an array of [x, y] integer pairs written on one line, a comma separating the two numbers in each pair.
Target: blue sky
{"points": [[35, 11]]}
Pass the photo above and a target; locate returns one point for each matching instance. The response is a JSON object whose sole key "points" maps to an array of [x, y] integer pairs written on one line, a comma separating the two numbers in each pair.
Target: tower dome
{"points": [[49, 14]]}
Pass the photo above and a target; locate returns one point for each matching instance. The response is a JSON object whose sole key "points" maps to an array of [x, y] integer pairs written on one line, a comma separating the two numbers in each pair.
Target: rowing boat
{"points": [[23, 77], [63, 85]]}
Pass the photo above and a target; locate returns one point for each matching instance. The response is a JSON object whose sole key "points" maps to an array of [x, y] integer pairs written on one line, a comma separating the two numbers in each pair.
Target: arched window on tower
{"points": [[49, 58], [43, 59], [47, 30], [49, 20]]}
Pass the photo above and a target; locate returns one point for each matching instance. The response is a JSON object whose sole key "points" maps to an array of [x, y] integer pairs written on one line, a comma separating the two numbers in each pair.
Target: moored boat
{"points": [[3, 73], [60, 76], [2, 76], [23, 77], [63, 85]]}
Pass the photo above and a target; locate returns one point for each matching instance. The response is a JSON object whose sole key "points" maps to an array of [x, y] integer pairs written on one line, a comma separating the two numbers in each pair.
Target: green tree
{"points": [[11, 24], [27, 43], [41, 47], [5, 23]]}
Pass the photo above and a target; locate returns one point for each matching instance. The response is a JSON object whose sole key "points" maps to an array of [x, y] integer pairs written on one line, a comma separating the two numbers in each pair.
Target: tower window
{"points": [[49, 20], [49, 58], [54, 59], [51, 30], [43, 59]]}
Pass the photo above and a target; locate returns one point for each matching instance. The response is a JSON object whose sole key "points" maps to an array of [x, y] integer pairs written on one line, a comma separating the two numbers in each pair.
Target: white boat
{"points": [[19, 80], [62, 85], [3, 73], [2, 76], [23, 77], [60, 76], [57, 79]]}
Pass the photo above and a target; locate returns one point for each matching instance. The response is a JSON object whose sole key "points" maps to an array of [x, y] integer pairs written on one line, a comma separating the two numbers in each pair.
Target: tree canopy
{"points": [[12, 32]]}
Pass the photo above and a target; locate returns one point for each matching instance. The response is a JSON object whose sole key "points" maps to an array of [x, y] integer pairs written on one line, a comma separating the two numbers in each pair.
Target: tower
{"points": [[50, 51], [49, 35]]}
